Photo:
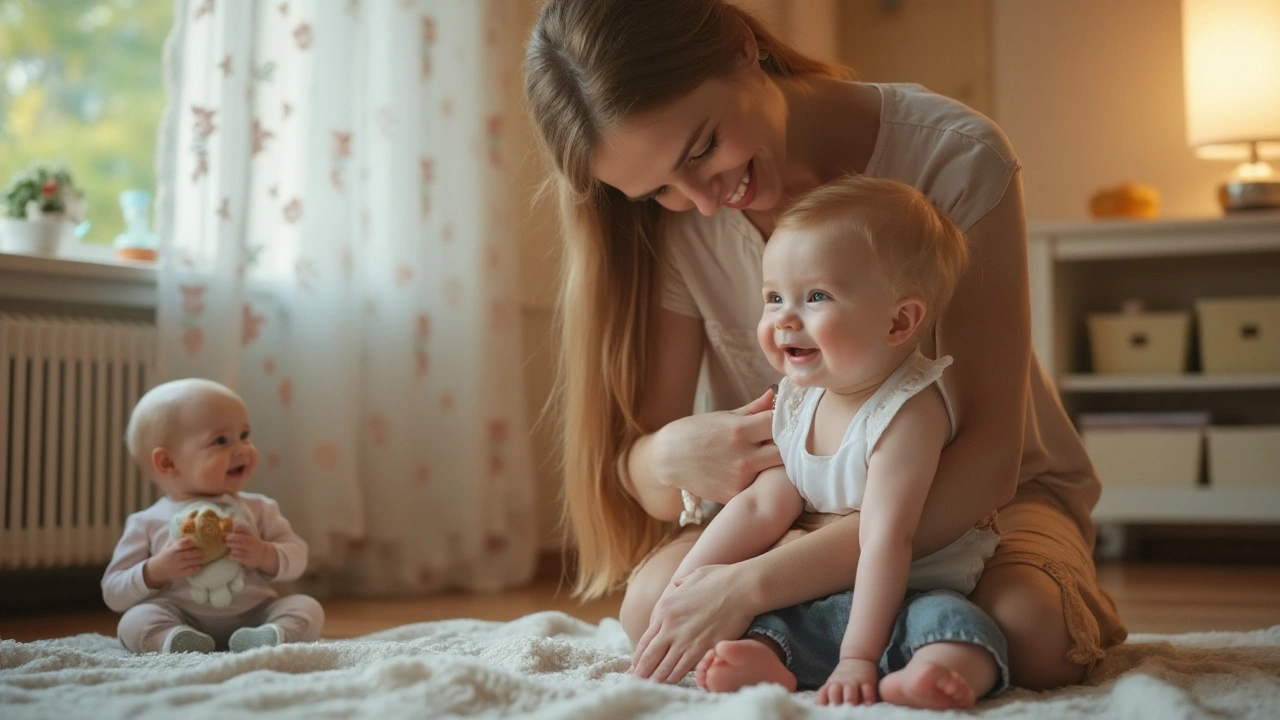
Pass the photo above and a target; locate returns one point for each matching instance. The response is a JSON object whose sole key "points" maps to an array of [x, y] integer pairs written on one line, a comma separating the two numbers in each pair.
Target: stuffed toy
{"points": [[207, 524]]}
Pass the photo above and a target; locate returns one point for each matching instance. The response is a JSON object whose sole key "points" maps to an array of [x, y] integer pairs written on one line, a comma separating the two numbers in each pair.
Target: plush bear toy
{"points": [[207, 524]]}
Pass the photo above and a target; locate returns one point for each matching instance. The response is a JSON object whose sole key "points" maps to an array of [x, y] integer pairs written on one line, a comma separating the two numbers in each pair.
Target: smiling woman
{"points": [[80, 84]]}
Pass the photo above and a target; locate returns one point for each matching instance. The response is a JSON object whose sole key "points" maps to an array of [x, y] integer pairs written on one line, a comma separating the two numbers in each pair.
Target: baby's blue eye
{"points": [[817, 296], [221, 440], [774, 299]]}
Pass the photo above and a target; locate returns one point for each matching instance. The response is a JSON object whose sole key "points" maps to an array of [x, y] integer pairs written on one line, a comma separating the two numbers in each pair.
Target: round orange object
{"points": [[1127, 200]]}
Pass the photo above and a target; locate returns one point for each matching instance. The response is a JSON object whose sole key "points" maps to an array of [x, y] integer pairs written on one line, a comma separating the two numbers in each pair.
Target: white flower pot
{"points": [[32, 237]]}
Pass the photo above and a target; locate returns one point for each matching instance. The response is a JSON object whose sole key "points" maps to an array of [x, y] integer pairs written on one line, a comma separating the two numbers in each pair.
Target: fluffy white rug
{"points": [[550, 665]]}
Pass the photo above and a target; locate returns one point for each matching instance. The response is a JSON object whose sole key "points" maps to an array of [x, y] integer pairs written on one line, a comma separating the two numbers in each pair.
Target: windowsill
{"points": [[107, 281], [104, 281]]}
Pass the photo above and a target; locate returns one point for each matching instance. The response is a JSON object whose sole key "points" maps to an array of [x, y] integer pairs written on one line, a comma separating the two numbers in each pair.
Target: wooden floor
{"points": [[1151, 598]]}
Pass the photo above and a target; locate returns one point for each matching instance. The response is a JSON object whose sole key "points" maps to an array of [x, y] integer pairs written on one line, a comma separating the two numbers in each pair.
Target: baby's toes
{"points": [[700, 672], [955, 687], [707, 659]]}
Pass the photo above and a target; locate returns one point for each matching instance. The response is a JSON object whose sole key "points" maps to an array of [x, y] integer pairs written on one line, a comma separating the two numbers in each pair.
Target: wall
{"points": [[1090, 92], [944, 46], [807, 24]]}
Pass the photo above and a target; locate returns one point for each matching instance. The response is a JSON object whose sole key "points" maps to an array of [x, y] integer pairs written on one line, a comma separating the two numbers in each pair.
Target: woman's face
{"points": [[721, 145]]}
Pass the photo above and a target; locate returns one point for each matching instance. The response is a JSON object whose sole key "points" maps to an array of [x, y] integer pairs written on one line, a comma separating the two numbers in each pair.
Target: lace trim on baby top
{"points": [[919, 374], [792, 399]]}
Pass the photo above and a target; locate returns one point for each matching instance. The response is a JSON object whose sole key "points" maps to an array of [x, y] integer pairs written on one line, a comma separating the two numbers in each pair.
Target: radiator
{"points": [[66, 389]]}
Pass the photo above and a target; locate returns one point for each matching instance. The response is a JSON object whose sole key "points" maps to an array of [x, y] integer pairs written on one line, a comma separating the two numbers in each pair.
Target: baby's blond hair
{"points": [[918, 249], [155, 418]]}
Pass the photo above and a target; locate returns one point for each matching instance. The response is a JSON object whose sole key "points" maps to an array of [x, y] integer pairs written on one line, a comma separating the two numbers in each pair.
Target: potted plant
{"points": [[40, 205]]}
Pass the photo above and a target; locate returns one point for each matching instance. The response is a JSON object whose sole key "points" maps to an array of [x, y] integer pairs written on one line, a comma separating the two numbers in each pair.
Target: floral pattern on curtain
{"points": [[338, 244]]}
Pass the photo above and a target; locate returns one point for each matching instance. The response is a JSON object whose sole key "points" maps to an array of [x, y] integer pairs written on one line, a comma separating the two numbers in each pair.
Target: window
{"points": [[81, 83]]}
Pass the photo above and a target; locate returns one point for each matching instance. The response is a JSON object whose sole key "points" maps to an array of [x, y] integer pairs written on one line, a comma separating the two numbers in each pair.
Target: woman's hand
{"points": [[717, 455], [693, 614]]}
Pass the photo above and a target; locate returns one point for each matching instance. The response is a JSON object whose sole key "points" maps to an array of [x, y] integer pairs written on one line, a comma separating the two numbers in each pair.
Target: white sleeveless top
{"points": [[836, 483]]}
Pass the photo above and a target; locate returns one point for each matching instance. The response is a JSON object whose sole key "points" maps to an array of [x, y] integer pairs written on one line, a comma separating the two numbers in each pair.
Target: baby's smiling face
{"points": [[827, 312], [211, 449]]}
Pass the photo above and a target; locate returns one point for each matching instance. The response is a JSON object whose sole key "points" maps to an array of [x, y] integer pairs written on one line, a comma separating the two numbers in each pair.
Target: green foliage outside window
{"points": [[81, 84]]}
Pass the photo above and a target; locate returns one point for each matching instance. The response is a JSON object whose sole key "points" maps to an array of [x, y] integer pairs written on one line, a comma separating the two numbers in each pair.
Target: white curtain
{"points": [[338, 223]]}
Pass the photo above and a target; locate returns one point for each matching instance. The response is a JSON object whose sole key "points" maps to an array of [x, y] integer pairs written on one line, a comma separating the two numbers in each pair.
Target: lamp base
{"points": [[1241, 195]]}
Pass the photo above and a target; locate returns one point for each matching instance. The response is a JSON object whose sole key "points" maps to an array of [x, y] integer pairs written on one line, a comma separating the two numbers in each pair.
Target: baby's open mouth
{"points": [[238, 471], [797, 352]]}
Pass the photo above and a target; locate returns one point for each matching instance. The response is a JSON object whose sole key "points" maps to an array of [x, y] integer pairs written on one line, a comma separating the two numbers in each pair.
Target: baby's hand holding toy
{"points": [[180, 558], [208, 527], [252, 552]]}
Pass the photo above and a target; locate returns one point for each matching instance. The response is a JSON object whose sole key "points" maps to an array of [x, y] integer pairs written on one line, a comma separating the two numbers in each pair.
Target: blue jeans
{"points": [[810, 634]]}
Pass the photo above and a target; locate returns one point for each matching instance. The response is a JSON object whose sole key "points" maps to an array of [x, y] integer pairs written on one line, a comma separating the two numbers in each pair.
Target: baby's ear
{"points": [[908, 315], [162, 463]]}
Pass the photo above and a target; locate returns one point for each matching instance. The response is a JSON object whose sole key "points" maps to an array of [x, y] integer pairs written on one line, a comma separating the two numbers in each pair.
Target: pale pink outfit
{"points": [[150, 615]]}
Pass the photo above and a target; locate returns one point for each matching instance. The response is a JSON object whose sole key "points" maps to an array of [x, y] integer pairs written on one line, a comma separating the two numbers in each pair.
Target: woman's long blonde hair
{"points": [[588, 65]]}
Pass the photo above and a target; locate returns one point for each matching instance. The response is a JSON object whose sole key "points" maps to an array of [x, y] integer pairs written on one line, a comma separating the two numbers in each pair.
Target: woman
{"points": [[679, 129]]}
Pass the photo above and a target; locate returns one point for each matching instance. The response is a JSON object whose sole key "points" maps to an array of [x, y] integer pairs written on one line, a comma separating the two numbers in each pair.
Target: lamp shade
{"points": [[1231, 65]]}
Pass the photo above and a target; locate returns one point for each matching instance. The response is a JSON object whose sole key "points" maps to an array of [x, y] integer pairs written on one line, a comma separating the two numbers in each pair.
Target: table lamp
{"points": [[1231, 66]]}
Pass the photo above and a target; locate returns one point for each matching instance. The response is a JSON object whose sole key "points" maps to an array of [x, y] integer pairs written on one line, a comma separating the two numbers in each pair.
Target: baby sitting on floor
{"points": [[192, 572]]}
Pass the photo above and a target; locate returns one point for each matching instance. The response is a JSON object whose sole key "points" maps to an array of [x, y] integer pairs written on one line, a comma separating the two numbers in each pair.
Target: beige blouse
{"points": [[964, 164]]}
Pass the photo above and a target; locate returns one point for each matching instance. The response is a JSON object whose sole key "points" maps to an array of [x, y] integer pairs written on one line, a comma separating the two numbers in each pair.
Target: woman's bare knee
{"points": [[637, 604], [649, 581], [1027, 605]]}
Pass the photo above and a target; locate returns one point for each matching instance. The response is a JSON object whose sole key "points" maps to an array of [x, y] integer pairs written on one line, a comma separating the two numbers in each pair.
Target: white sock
{"points": [[250, 638], [185, 638]]}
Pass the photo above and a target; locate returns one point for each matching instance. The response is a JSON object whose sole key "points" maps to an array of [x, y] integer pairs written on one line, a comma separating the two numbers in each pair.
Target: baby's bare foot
{"points": [[924, 684], [735, 664]]}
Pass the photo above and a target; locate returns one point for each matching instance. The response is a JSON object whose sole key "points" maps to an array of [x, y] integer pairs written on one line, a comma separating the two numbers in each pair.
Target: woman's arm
{"points": [[987, 329], [712, 455]]}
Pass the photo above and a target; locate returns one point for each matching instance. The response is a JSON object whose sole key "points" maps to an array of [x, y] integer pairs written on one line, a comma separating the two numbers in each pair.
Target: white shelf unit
{"points": [[1085, 268]]}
